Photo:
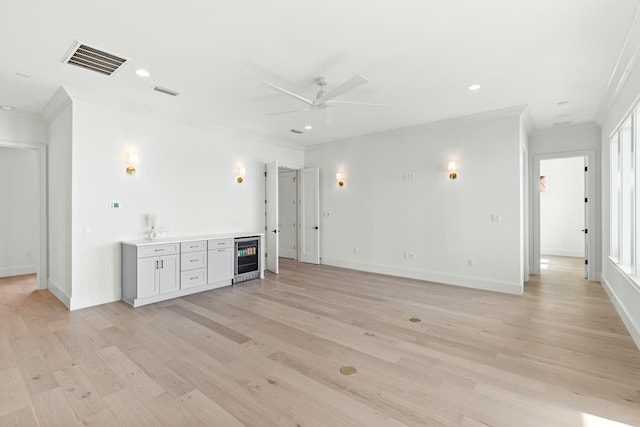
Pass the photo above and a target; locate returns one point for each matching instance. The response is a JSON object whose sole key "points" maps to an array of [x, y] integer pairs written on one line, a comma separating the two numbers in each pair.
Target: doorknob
{"points": [[274, 231], [315, 228]]}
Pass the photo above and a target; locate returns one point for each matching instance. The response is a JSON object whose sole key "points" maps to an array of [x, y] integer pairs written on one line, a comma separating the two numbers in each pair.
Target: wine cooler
{"points": [[247, 259]]}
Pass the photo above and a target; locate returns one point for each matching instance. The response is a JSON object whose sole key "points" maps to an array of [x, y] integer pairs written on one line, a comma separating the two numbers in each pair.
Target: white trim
{"points": [[515, 288], [421, 127], [42, 254], [561, 252], [59, 293], [627, 319], [590, 193], [18, 270]]}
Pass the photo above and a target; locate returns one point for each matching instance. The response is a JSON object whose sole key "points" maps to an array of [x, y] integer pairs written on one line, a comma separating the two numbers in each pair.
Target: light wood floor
{"points": [[268, 353]]}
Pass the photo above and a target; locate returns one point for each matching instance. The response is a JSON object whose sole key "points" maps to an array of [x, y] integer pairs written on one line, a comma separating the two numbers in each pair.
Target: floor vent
{"points": [[94, 59], [166, 91]]}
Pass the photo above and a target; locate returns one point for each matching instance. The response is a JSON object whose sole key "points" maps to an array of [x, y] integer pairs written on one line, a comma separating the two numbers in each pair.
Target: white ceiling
{"points": [[419, 55]]}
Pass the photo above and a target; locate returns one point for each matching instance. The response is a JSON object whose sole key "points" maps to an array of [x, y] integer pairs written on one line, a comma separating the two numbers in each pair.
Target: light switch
{"points": [[115, 205]]}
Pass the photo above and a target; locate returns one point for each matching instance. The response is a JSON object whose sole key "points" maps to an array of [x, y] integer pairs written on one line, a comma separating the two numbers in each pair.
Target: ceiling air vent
{"points": [[297, 131], [94, 59], [166, 91]]}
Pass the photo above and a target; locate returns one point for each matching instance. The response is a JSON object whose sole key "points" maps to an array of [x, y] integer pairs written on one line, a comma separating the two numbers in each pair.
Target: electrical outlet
{"points": [[355, 250], [412, 255], [471, 262], [29, 254], [496, 218]]}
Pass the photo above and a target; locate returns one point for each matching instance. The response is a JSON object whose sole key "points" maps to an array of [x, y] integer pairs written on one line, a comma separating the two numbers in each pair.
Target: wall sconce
{"points": [[452, 170], [340, 179], [132, 161], [240, 174]]}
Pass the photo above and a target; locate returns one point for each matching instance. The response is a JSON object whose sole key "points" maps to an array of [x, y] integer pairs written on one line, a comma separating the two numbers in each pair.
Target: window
{"points": [[624, 210]]}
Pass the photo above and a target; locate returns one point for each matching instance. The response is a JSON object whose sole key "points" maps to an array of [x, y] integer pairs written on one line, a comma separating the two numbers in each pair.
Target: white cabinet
{"points": [[157, 271], [157, 274], [193, 262], [220, 265]]}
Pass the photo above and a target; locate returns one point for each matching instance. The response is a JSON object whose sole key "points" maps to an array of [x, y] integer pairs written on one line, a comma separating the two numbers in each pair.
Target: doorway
{"points": [[24, 221], [292, 214], [562, 213], [564, 227]]}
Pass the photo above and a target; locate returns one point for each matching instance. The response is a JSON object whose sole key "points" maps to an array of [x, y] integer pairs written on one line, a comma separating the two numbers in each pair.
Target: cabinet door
{"points": [[147, 279], [169, 273], [220, 265]]}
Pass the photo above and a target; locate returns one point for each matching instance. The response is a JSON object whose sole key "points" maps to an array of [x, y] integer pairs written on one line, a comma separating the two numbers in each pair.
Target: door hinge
{"points": [[586, 200], [586, 262], [265, 201], [586, 231], [265, 254], [586, 168]]}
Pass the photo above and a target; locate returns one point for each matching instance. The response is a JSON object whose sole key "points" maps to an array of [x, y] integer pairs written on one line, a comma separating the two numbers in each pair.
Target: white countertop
{"points": [[179, 239]]}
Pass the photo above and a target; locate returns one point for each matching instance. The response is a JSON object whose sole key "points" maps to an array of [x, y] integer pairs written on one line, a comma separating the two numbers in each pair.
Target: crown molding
{"points": [[624, 65]]}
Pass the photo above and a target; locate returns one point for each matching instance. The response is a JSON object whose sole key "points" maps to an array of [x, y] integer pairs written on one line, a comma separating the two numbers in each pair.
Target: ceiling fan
{"points": [[324, 97]]}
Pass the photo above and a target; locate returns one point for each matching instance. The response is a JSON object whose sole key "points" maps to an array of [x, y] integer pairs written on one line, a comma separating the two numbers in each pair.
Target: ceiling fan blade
{"points": [[335, 101], [295, 95], [352, 83], [287, 112]]}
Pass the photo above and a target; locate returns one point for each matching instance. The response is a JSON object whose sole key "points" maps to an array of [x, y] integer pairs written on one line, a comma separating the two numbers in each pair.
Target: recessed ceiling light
{"points": [[474, 87], [142, 73], [308, 127], [7, 107]]}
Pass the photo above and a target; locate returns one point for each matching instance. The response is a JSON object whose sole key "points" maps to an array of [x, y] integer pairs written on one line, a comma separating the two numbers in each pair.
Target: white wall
{"points": [[59, 201], [22, 128], [185, 176], [20, 172], [398, 199], [562, 207], [623, 290], [287, 214], [566, 142], [18, 211]]}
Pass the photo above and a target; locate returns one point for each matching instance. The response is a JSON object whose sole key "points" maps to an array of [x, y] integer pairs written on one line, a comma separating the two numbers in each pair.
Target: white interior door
{"points": [[309, 218], [586, 220], [271, 212]]}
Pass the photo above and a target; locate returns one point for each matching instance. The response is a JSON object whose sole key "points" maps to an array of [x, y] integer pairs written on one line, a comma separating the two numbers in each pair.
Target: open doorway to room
{"points": [[563, 215], [21, 215], [288, 213], [292, 214]]}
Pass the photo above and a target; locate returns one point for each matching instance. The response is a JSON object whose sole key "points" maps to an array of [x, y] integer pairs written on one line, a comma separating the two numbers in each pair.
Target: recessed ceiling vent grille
{"points": [[166, 91], [94, 59]]}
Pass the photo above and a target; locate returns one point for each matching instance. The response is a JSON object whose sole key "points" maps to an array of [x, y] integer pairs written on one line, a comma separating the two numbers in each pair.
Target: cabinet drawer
{"points": [[189, 279], [155, 250], [220, 243], [194, 246], [193, 260]]}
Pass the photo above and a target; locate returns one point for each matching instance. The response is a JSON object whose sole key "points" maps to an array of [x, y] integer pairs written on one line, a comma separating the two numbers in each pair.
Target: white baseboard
{"points": [[514, 288], [561, 252], [59, 293], [18, 270], [627, 319]]}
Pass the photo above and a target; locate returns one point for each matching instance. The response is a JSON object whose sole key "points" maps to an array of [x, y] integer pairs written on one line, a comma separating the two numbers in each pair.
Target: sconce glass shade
{"points": [[132, 161], [452, 170], [240, 173]]}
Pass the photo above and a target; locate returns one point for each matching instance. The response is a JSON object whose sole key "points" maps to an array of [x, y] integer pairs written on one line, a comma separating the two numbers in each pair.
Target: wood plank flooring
{"points": [[268, 353]]}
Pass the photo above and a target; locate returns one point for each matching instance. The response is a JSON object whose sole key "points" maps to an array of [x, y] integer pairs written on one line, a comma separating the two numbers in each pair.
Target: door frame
{"points": [[42, 232], [590, 194]]}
